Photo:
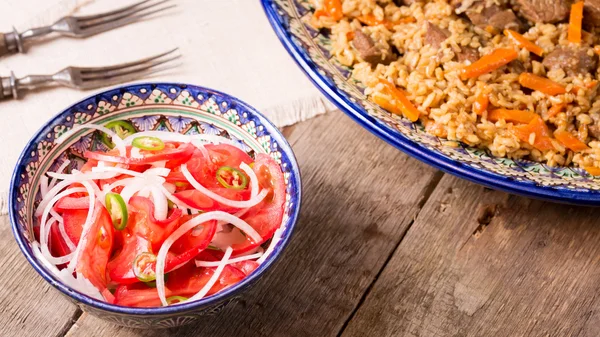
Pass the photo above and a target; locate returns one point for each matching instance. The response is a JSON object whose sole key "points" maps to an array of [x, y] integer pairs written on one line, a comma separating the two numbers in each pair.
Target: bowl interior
{"points": [[311, 49], [170, 107]]}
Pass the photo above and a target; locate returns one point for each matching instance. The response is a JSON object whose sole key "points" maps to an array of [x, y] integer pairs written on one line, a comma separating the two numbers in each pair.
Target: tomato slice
{"points": [[246, 267], [74, 220], [191, 243], [265, 217], [143, 223], [70, 203], [199, 200], [174, 153], [205, 171], [138, 295], [97, 250], [120, 268], [189, 279]]}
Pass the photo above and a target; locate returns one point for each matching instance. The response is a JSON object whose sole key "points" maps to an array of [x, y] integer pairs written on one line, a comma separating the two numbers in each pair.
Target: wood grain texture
{"points": [[482, 263], [3, 45], [360, 195], [28, 305]]}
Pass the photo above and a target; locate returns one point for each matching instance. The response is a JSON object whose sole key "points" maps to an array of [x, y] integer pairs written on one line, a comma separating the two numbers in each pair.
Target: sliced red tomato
{"points": [[265, 217], [199, 200], [143, 223], [191, 243], [205, 172], [69, 203], [120, 268], [138, 295], [173, 153], [97, 250], [189, 279], [108, 296], [246, 267], [73, 220], [58, 246], [87, 167]]}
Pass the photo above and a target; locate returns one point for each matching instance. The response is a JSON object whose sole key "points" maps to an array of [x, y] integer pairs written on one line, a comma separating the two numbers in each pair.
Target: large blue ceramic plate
{"points": [[310, 48]]}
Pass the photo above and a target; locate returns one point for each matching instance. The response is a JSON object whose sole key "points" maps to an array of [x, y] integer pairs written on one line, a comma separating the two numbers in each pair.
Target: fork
{"points": [[85, 78], [84, 26]]}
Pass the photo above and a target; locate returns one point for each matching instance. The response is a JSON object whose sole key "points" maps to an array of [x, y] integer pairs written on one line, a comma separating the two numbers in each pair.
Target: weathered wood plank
{"points": [[28, 305], [478, 262], [360, 195]]}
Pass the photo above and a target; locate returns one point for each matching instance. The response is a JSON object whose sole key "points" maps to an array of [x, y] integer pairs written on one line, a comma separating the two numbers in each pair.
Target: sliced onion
{"points": [[214, 139], [234, 260], [44, 223], [158, 171], [161, 206], [61, 168], [131, 189], [87, 225], [203, 150], [253, 186], [159, 164], [43, 186], [180, 204], [61, 228], [51, 194], [83, 176], [135, 153], [170, 187], [144, 192], [119, 144], [274, 241], [215, 277], [184, 228], [118, 170], [232, 203]]}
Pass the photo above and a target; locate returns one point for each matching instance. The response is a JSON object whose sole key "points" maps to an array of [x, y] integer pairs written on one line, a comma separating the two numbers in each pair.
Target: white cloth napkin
{"points": [[226, 45]]}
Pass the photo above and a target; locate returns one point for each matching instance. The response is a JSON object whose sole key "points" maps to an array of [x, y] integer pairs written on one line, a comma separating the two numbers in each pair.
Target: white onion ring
{"points": [[184, 228], [60, 169], [274, 241], [87, 225], [161, 206], [215, 277], [232, 203], [209, 264]]}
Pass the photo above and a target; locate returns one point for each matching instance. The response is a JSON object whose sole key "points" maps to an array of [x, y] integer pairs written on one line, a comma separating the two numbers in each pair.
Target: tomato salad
{"points": [[162, 218]]}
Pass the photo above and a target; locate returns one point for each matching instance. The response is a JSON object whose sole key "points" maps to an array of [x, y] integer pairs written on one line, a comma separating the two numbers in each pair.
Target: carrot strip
{"points": [[538, 83], [590, 85], [350, 36], [522, 42], [543, 141], [570, 141], [481, 104], [556, 109], [371, 20], [597, 49], [386, 104], [402, 102], [515, 116], [575, 22], [319, 13], [489, 63], [333, 9], [595, 171]]}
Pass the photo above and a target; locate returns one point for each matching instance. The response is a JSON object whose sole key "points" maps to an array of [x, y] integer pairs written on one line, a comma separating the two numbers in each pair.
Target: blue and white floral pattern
{"points": [[148, 107]]}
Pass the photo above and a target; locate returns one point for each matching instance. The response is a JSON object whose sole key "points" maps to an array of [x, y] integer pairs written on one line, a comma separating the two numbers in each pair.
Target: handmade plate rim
{"points": [[415, 149], [227, 294]]}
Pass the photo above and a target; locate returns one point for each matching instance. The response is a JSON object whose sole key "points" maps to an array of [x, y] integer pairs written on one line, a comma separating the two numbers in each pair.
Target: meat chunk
{"points": [[591, 12], [573, 60], [493, 16], [406, 2], [434, 36], [368, 51], [467, 54], [516, 67], [544, 11]]}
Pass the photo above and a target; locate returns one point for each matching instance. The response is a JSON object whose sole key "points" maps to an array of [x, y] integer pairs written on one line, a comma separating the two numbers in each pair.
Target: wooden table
{"points": [[385, 246]]}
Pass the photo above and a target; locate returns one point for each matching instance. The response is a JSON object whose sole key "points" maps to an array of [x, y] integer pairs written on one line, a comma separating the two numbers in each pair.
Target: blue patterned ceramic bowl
{"points": [[174, 107], [311, 50]]}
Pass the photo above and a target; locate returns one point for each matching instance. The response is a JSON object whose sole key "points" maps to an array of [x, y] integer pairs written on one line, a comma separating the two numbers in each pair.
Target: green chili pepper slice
{"points": [[176, 299], [231, 177], [121, 128], [148, 143], [152, 284], [116, 207], [143, 265]]}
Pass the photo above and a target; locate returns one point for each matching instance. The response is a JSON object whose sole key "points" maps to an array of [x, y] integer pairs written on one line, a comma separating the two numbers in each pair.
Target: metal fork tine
{"points": [[126, 71], [119, 23], [93, 84], [128, 64], [119, 15], [115, 11]]}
